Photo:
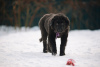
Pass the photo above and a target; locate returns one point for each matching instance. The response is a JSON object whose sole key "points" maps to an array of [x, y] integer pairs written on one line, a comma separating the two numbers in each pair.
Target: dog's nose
{"points": [[59, 30]]}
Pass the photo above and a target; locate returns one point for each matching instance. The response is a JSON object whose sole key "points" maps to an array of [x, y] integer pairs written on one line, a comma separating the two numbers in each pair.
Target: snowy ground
{"points": [[20, 48]]}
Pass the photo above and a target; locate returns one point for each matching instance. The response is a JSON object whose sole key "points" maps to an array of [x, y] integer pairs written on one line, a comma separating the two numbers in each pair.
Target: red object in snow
{"points": [[70, 62]]}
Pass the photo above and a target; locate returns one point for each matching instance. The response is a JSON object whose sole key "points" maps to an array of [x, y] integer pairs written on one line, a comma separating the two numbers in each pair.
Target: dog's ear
{"points": [[67, 21], [51, 20], [51, 24]]}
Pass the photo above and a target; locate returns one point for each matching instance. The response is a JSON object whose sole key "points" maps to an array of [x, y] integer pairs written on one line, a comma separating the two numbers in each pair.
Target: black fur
{"points": [[50, 25]]}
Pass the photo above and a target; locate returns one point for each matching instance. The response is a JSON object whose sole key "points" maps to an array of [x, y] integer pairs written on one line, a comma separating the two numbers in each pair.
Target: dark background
{"points": [[83, 14]]}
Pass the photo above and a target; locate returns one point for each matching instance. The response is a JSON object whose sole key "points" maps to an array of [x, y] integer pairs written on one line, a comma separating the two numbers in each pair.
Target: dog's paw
{"points": [[45, 51], [62, 54], [54, 53]]}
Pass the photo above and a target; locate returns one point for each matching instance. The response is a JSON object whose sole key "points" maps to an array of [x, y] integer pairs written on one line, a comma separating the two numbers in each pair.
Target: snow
{"points": [[21, 48]]}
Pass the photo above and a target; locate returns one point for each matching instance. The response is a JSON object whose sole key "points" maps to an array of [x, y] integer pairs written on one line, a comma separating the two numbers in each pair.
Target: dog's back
{"points": [[44, 24]]}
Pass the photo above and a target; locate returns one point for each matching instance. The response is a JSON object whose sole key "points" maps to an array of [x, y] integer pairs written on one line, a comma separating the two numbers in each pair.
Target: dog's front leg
{"points": [[52, 43], [63, 44]]}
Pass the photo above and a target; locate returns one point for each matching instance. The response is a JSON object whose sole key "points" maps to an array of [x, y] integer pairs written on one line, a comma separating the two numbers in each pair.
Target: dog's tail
{"points": [[40, 40]]}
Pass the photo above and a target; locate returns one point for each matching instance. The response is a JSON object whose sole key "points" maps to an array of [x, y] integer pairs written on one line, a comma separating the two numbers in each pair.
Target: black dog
{"points": [[54, 26]]}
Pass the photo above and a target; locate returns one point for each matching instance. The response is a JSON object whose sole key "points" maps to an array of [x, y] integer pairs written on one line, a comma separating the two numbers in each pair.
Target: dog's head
{"points": [[59, 23]]}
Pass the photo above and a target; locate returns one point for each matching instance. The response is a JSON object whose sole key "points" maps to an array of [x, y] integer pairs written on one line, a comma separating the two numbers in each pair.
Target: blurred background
{"points": [[83, 14]]}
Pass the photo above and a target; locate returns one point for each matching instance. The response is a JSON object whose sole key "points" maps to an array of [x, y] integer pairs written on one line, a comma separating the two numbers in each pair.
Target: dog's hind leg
{"points": [[44, 38]]}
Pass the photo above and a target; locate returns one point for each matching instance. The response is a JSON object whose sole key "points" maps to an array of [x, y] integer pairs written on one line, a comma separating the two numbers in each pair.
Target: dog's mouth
{"points": [[57, 35]]}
